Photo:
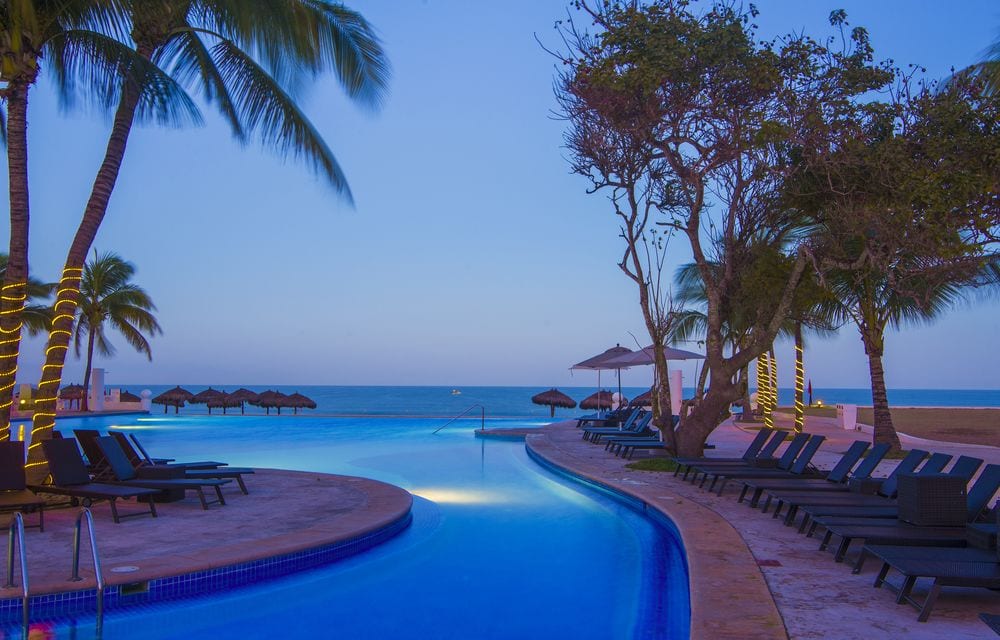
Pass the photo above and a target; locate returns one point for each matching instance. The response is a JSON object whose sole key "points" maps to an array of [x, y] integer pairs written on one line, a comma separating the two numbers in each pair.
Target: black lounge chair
{"points": [[784, 463], [905, 534], [801, 466], [834, 480], [14, 493], [965, 467], [965, 567], [763, 457], [621, 446], [235, 473], [70, 477], [635, 425], [121, 472], [811, 503], [88, 442], [617, 416]]}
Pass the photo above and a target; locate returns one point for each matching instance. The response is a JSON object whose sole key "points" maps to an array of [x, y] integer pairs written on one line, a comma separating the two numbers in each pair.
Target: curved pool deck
{"points": [[729, 595], [290, 521]]}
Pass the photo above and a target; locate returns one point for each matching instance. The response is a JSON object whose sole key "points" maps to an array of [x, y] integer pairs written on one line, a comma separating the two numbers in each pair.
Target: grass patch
{"points": [[653, 464], [969, 426], [892, 455]]}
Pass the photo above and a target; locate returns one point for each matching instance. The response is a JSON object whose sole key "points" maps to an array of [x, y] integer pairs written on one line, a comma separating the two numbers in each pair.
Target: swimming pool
{"points": [[498, 548]]}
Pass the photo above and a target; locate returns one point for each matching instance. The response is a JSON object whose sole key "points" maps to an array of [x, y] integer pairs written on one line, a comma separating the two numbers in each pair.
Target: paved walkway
{"points": [[752, 577], [286, 512]]}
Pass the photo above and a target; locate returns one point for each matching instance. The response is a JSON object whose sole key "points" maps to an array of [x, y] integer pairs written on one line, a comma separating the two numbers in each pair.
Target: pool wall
{"points": [[728, 594]]}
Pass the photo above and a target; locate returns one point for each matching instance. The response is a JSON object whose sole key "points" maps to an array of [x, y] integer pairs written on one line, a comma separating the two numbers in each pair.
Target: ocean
{"points": [[447, 402]]}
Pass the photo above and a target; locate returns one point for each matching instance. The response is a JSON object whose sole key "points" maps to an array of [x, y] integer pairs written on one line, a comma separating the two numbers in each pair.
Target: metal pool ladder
{"points": [[85, 513], [482, 418], [15, 534]]}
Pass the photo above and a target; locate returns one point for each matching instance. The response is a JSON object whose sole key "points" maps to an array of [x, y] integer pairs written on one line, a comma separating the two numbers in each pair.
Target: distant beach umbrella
{"points": [[175, 398], [643, 399], [600, 400], [243, 396], [554, 398], [206, 395], [225, 401], [296, 401], [72, 392], [600, 362], [270, 399], [129, 397]]}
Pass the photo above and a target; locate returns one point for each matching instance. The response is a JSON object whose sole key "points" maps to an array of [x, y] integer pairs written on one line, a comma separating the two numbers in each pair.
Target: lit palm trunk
{"points": [[799, 380], [763, 393]]}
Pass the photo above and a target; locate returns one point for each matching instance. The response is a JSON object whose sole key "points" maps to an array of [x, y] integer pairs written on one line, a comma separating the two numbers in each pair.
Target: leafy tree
{"points": [[108, 297], [244, 58], [720, 115], [908, 213], [73, 38]]}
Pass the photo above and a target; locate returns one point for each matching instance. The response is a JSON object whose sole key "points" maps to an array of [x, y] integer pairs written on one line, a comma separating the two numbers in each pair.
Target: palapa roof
{"points": [[643, 399], [269, 398], [243, 395], [71, 392], [223, 401], [554, 398], [297, 401], [206, 395], [129, 397], [599, 400]]}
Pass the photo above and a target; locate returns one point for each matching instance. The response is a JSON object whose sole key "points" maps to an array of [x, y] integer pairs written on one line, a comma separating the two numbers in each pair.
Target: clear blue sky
{"points": [[472, 257]]}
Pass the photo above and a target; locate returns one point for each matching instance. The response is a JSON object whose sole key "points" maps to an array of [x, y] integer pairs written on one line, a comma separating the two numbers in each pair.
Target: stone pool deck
{"points": [[287, 512], [752, 577]]}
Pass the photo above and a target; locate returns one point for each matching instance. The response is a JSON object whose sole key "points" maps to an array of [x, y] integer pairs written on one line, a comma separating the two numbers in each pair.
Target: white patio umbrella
{"points": [[600, 362], [645, 356]]}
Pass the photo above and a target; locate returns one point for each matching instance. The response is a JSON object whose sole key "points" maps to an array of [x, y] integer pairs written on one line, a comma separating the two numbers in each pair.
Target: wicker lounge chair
{"points": [[784, 463], [905, 534], [88, 442], [947, 567], [14, 493], [764, 457], [70, 478], [801, 466], [637, 425], [834, 480], [235, 473], [616, 417], [120, 471]]}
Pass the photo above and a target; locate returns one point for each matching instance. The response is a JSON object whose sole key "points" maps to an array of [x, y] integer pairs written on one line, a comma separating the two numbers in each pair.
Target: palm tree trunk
{"points": [[800, 412], [85, 404], [884, 430], [14, 290], [773, 380], [662, 410], [68, 297], [763, 389], [744, 378]]}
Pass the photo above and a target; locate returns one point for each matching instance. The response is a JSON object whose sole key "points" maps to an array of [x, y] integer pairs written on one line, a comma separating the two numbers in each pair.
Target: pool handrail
{"points": [[15, 535], [466, 412]]}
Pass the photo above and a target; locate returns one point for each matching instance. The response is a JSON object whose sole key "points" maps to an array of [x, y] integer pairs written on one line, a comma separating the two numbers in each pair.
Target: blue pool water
{"points": [[498, 548]]}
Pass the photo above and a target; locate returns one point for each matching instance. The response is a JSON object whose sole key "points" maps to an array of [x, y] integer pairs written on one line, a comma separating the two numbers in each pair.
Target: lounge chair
{"points": [[617, 416], [834, 480], [905, 534], [965, 467], [235, 473], [122, 472], [783, 463], [88, 442], [14, 493], [964, 567], [620, 446], [811, 503], [637, 425], [801, 466], [764, 456], [70, 478]]}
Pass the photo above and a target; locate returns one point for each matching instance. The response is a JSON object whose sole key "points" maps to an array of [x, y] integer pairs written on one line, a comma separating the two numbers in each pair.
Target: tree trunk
{"points": [[702, 379], [763, 389], [744, 384], [773, 380], [67, 299], [884, 430], [704, 417], [663, 416], [14, 290], [85, 402], [800, 412]]}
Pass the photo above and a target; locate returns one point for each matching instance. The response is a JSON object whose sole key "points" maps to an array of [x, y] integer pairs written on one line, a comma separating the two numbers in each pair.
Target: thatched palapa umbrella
{"points": [[643, 399], [554, 398], [206, 395], [268, 399], [296, 401], [243, 396], [128, 397], [72, 392], [175, 398], [599, 400], [223, 401]]}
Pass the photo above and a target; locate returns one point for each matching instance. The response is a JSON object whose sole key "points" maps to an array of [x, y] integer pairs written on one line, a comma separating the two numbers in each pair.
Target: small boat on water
{"points": [[456, 392]]}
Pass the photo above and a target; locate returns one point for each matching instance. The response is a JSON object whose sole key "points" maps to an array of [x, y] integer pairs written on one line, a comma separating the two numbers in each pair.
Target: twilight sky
{"points": [[472, 257]]}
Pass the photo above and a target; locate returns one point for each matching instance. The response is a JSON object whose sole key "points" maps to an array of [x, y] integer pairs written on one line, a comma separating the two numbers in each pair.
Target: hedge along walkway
{"points": [[729, 596]]}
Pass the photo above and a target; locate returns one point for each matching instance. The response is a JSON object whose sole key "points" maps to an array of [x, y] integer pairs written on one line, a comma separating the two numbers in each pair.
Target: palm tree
{"points": [[211, 46], [80, 42], [107, 296], [37, 316]]}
